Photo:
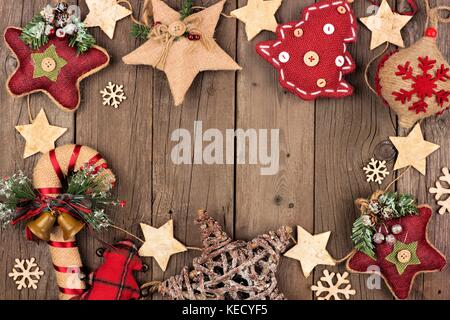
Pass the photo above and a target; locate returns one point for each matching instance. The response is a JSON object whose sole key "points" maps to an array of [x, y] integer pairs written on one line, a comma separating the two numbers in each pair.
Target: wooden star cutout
{"points": [[185, 58], [386, 26], [40, 136], [160, 243], [105, 14], [413, 150], [311, 250], [258, 15]]}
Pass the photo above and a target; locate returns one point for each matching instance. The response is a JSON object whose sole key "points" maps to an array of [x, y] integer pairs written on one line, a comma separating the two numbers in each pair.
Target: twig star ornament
{"points": [[258, 15], [385, 26], [311, 250], [160, 243], [182, 57], [40, 136], [413, 150], [105, 14]]}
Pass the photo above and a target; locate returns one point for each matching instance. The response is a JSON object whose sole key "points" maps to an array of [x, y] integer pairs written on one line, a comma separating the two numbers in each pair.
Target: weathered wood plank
{"points": [[14, 112], [347, 133], [182, 189], [265, 203]]}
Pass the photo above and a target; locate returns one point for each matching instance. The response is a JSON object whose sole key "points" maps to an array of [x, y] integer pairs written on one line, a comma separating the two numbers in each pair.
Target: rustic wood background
{"points": [[323, 147]]}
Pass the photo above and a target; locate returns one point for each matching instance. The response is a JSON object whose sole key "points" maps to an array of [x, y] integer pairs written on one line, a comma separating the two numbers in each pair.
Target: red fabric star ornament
{"points": [[58, 75], [414, 234], [311, 54]]}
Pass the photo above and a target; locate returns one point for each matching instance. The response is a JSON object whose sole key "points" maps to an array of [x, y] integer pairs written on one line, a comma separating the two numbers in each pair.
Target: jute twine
{"points": [[66, 258], [162, 33]]}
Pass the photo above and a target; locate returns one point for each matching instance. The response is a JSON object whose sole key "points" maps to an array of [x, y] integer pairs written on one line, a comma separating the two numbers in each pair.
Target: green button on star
{"points": [[47, 64], [403, 255]]}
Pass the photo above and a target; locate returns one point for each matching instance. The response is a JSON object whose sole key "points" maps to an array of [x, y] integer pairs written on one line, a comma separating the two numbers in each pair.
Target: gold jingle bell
{"points": [[43, 225], [69, 225]]}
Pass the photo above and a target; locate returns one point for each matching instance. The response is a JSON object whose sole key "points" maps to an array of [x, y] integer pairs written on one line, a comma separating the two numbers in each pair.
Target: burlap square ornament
{"points": [[414, 82], [311, 55]]}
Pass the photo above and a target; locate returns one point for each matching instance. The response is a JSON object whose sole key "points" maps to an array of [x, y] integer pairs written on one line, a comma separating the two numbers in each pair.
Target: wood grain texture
{"points": [[323, 147]]}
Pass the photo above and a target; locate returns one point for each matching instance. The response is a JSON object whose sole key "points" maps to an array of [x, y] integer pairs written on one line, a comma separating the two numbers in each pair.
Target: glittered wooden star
{"points": [[258, 15], [385, 26], [59, 73], [412, 254], [160, 243], [413, 150], [179, 57], [311, 250], [40, 136], [105, 14]]}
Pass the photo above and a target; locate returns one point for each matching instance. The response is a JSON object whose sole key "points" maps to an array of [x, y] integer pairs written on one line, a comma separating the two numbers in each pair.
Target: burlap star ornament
{"points": [[170, 49]]}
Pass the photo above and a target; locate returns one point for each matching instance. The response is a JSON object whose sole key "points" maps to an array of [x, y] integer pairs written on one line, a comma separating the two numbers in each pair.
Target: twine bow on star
{"points": [[168, 34]]}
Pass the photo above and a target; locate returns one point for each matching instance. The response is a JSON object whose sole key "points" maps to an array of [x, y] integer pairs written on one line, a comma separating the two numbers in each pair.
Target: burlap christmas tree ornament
{"points": [[414, 82], [171, 49]]}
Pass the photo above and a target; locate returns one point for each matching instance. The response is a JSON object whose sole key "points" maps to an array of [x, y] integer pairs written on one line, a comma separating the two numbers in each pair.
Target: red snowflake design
{"points": [[424, 85]]}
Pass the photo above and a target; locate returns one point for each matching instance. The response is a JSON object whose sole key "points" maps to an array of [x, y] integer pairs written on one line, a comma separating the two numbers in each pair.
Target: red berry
{"points": [[197, 37], [191, 37], [104, 165], [431, 32], [122, 203]]}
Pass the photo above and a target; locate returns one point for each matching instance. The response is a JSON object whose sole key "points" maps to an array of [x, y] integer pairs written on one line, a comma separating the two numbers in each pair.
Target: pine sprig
{"points": [[140, 31], [186, 9], [362, 237], [82, 40], [33, 34]]}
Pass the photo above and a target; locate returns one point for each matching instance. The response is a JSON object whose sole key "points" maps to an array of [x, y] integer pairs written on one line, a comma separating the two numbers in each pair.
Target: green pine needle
{"points": [[140, 31]]}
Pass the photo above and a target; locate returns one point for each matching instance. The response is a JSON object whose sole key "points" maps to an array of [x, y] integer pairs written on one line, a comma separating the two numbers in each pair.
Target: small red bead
{"points": [[191, 37], [431, 32]]}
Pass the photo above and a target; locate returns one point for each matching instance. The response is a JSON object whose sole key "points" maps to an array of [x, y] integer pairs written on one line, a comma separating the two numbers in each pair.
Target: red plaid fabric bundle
{"points": [[114, 279]]}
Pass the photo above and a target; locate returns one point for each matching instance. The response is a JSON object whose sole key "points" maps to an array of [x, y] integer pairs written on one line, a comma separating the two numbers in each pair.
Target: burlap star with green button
{"points": [[398, 247], [50, 72]]}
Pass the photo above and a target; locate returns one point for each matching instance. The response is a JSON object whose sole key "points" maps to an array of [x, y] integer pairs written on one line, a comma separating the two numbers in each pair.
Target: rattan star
{"points": [[311, 250], [105, 14], [386, 26], [40, 136], [258, 15], [184, 58], [413, 150], [160, 243]]}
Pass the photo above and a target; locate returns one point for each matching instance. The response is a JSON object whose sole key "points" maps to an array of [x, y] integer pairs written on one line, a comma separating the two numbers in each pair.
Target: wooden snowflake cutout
{"points": [[376, 171], [441, 191], [26, 273], [113, 95], [334, 289]]}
